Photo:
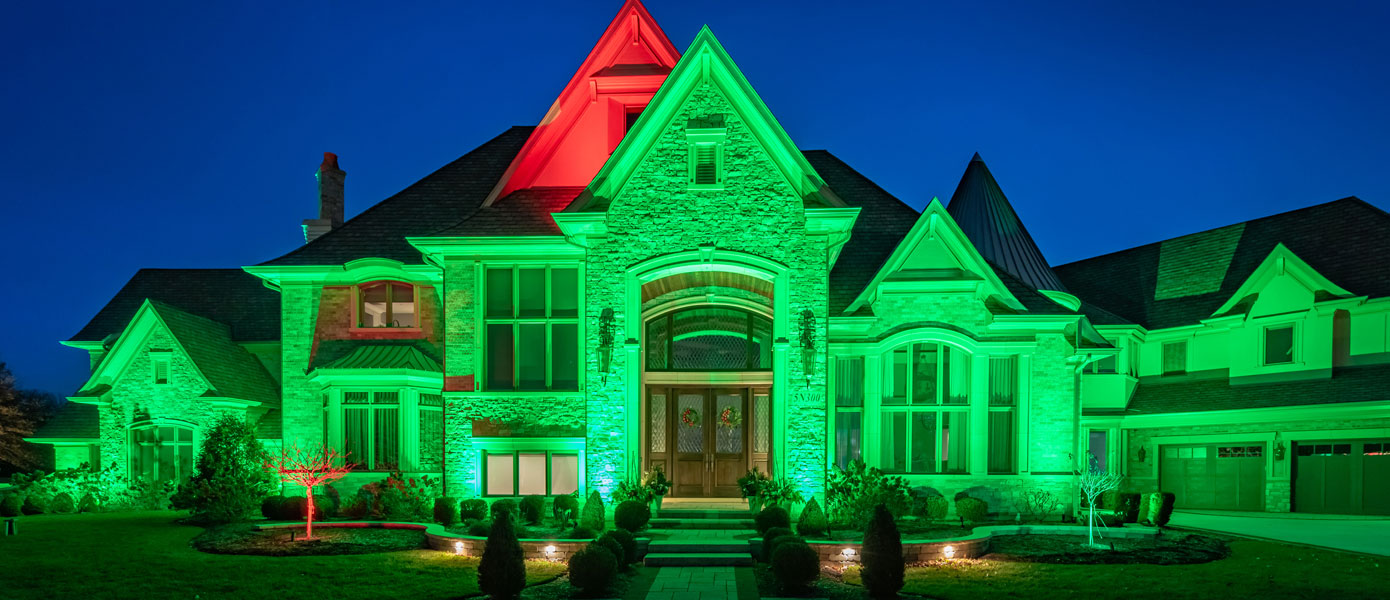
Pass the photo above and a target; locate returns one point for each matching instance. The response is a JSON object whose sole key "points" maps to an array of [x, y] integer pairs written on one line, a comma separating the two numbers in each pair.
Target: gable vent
{"points": [[706, 168]]}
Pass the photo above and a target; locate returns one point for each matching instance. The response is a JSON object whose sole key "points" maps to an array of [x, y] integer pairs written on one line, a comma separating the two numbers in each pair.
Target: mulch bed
{"points": [[908, 530], [327, 541], [1170, 549]]}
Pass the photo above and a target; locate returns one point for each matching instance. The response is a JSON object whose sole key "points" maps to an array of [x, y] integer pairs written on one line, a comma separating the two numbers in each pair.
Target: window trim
{"points": [[1293, 327], [516, 453], [194, 444], [547, 320], [358, 307]]}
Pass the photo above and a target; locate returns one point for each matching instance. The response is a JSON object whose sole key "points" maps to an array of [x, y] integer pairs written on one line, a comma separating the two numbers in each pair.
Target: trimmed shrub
{"points": [[1143, 509], [446, 511], [581, 533], [357, 508], [593, 569], [229, 479], [270, 507], [10, 505], [795, 565], [612, 545], [62, 504], [87, 504], [768, 539], [628, 543], [934, 508], [780, 541], [502, 570], [473, 508], [294, 508], [33, 505], [500, 506], [480, 528], [565, 509], [1160, 508], [812, 520], [531, 508], [324, 507], [632, 515], [772, 516], [972, 509], [592, 516], [1128, 508], [882, 555], [852, 493]]}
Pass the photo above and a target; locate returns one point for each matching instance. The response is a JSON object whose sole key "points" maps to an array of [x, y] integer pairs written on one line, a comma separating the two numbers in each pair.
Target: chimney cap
{"points": [[330, 161]]}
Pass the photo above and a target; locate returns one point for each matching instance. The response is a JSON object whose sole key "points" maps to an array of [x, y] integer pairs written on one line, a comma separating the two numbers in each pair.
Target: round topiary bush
{"points": [[632, 515], [972, 509], [581, 533], [628, 543], [881, 556], [593, 569], [934, 508], [294, 508], [270, 507], [531, 509], [812, 520], [446, 511], [612, 545], [10, 505], [62, 504], [500, 506], [87, 504], [33, 505], [593, 516], [772, 516], [790, 538], [769, 537], [796, 565], [564, 509], [473, 508], [480, 528], [502, 570]]}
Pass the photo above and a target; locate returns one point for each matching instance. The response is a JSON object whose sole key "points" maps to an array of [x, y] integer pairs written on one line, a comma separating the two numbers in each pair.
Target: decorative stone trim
{"points": [[833, 553], [443, 540]]}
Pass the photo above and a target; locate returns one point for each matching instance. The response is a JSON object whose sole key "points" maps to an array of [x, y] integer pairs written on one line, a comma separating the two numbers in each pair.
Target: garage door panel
{"points": [[1342, 477], [1214, 476]]}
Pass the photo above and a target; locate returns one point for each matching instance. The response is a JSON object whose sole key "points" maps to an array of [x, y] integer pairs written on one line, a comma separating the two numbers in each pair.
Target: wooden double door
{"points": [[706, 438]]}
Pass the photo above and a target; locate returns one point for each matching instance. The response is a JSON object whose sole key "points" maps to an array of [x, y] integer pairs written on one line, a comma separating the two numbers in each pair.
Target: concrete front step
{"points": [[703, 523], [687, 513], [699, 559], [697, 547]]}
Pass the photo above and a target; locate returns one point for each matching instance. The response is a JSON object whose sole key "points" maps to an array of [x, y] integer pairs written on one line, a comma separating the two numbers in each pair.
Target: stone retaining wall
{"points": [[844, 553], [456, 543]]}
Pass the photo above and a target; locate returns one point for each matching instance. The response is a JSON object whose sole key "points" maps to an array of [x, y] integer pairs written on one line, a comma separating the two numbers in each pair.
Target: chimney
{"points": [[330, 199]]}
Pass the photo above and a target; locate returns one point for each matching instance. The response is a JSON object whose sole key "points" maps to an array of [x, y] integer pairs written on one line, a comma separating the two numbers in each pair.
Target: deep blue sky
{"points": [[186, 134]]}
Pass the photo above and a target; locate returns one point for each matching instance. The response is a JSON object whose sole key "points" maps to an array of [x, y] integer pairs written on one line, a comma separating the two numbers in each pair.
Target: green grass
{"points": [[147, 555], [1253, 570]]}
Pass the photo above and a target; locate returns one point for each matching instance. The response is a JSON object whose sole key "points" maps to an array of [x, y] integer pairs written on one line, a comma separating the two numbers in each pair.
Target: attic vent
{"points": [[705, 170], [706, 140]]}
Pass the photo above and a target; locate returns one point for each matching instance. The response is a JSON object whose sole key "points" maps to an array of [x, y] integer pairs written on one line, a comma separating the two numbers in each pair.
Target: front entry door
{"points": [[711, 450]]}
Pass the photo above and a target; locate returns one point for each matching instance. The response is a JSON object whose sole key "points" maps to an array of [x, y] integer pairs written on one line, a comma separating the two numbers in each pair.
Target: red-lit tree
{"points": [[310, 468]]}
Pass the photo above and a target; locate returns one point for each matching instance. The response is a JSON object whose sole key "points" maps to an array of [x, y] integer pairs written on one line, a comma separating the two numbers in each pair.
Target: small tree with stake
{"points": [[309, 468], [1095, 482]]}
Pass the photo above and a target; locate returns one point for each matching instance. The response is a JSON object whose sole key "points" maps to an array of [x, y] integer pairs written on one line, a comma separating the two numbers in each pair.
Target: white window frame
{"points": [[548, 321], [357, 302], [1294, 336], [939, 407]]}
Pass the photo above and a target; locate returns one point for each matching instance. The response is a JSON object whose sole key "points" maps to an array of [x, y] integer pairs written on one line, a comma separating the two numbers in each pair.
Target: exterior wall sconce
{"points": [[1142, 453], [1278, 448], [808, 344], [605, 342]]}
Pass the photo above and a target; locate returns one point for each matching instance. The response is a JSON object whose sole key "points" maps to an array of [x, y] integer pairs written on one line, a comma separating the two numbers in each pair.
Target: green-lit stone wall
{"points": [[301, 401]]}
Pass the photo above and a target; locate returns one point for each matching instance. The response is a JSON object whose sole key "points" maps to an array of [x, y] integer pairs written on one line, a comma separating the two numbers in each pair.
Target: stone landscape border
{"points": [[844, 553], [443, 540]]}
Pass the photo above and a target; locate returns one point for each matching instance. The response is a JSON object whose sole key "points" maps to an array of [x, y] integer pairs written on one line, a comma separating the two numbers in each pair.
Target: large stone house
{"points": [[655, 275]]}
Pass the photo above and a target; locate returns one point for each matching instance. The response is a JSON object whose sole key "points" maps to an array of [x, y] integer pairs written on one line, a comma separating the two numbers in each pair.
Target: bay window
{"points": [[531, 331], [530, 473], [924, 417], [371, 429]]}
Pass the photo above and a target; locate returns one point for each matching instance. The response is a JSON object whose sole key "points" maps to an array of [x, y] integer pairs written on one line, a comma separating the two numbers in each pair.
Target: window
{"points": [[705, 170], [1240, 451], [1104, 366], [431, 432], [386, 304], [530, 473], [630, 115], [925, 418], [1003, 408], [1278, 345], [159, 366], [161, 453], [371, 429], [849, 409], [1174, 357], [708, 338], [532, 328], [1098, 450]]}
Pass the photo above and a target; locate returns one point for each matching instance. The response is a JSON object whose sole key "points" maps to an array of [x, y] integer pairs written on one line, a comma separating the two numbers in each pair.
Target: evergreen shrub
{"points": [[502, 570], [62, 504], [593, 569], [446, 511], [628, 543], [769, 537], [11, 504], [230, 478], [1128, 507], [971, 509], [1161, 508], [87, 504], [795, 565], [473, 508], [881, 556], [632, 515], [592, 516], [480, 528], [812, 521], [531, 508], [565, 509], [612, 545], [270, 507], [581, 532], [501, 506], [33, 505], [772, 516]]}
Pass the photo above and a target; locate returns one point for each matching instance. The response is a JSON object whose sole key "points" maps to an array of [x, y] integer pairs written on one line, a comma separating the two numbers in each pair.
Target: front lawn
{"points": [[147, 555]]}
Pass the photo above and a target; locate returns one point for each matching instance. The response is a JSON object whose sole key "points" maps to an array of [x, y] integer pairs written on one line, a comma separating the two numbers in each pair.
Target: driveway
{"points": [[1355, 533]]}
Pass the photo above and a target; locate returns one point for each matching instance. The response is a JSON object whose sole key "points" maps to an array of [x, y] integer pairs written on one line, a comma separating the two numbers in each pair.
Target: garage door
{"points": [[1342, 477], [1215, 476]]}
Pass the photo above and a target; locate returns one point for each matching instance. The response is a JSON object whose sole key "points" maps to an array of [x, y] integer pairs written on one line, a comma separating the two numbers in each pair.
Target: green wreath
{"points": [[690, 417], [730, 417]]}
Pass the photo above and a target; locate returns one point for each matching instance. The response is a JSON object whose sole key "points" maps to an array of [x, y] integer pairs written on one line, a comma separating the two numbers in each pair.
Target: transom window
{"points": [[530, 473], [161, 453], [386, 304], [709, 338], [925, 414], [532, 328], [371, 429], [1278, 345]]}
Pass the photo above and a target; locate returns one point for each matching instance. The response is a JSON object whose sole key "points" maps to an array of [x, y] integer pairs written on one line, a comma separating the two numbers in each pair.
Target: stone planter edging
{"points": [[443, 540], [832, 553]]}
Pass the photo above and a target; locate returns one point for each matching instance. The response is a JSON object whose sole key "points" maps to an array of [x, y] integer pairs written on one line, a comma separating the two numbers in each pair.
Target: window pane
{"points": [[924, 359], [185, 462], [355, 437], [897, 372], [388, 437], [185, 435], [656, 410], [532, 293], [848, 433], [713, 339], [761, 343], [657, 338], [373, 305], [923, 442], [1097, 448], [1278, 345], [849, 381], [499, 357], [1105, 365], [564, 292], [500, 480], [564, 357], [403, 305], [1003, 381], [893, 436], [1001, 441], [956, 387], [531, 474], [431, 438], [531, 357], [762, 422], [499, 292], [955, 440], [564, 474], [167, 461]]}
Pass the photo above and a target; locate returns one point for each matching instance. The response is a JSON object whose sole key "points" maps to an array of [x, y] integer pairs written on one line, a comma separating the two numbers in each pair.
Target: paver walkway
{"points": [[694, 583], [1355, 533]]}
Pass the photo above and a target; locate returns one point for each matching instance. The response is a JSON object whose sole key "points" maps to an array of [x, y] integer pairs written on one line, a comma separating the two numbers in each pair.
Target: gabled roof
{"points": [[1347, 384], [705, 63], [446, 195], [987, 218], [230, 296], [231, 371], [1281, 261], [524, 212], [73, 421], [1186, 279]]}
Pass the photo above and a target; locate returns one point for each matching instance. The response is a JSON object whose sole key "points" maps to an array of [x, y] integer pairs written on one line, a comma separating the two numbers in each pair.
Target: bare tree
{"points": [[309, 468], [1095, 482]]}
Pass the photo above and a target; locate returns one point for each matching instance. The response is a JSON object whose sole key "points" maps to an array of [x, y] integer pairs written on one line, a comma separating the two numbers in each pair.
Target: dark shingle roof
{"points": [[230, 296], [523, 212], [984, 214], [72, 421], [1350, 384], [271, 425], [441, 197], [231, 370], [1185, 279]]}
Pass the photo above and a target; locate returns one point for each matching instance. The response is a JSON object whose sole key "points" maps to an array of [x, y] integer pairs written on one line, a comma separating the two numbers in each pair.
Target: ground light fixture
{"points": [[949, 552], [847, 552], [458, 548]]}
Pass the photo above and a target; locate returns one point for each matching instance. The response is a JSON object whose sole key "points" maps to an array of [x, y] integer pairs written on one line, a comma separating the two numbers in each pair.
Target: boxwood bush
{"points": [[446, 511], [632, 515], [565, 509], [10, 505], [473, 508], [772, 516], [500, 506], [1160, 508], [593, 569], [625, 539], [62, 504], [812, 520], [795, 565], [612, 545], [1128, 508], [531, 508], [972, 509], [33, 505], [769, 537], [581, 532]]}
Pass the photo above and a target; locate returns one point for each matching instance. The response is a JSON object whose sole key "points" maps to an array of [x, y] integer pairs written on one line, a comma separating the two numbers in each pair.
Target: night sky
{"points": [[186, 134]]}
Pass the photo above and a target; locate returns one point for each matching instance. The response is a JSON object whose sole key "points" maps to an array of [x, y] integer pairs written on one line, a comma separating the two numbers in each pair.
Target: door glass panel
{"points": [[728, 432], [762, 423], [690, 423], [656, 411]]}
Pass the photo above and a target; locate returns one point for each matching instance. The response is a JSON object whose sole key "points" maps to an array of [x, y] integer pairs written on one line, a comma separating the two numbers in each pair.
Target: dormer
{"points": [[601, 102]]}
